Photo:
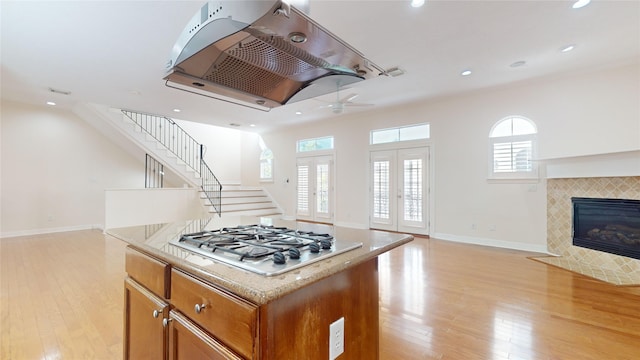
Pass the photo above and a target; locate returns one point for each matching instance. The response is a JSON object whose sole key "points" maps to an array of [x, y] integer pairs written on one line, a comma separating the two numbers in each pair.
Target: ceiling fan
{"points": [[338, 106]]}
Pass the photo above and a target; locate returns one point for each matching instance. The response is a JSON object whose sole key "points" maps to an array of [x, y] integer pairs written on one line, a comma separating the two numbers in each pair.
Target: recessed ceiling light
{"points": [[298, 112], [466, 73], [176, 110], [580, 3], [518, 63], [417, 3], [51, 103], [567, 48], [252, 125]]}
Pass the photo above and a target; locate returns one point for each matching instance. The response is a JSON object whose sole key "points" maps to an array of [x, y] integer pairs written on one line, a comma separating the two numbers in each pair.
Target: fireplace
{"points": [[609, 225]]}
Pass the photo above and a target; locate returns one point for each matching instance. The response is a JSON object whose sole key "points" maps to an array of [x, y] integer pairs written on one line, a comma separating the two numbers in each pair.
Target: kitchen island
{"points": [[182, 305]]}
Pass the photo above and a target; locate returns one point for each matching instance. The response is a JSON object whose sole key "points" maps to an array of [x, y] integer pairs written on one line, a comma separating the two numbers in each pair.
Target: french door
{"points": [[399, 190], [315, 189]]}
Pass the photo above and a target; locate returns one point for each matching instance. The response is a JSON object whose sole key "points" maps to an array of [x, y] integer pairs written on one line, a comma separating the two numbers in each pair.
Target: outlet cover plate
{"points": [[336, 338]]}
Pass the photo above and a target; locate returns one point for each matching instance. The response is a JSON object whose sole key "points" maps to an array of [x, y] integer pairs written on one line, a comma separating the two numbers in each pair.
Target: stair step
{"points": [[241, 193], [253, 212], [238, 199], [247, 206], [245, 200]]}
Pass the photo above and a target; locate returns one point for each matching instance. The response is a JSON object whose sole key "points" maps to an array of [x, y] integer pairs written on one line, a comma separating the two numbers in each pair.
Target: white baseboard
{"points": [[50, 230], [491, 242], [352, 225]]}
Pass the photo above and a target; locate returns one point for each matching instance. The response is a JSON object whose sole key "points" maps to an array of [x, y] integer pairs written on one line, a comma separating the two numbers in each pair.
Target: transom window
{"points": [[512, 142], [315, 144], [403, 133]]}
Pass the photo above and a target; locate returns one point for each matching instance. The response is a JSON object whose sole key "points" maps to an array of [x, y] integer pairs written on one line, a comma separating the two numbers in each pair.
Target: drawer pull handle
{"points": [[156, 313], [165, 322], [199, 308]]}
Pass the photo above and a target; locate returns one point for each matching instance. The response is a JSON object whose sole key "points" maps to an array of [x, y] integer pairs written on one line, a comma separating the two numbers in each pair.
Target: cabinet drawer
{"points": [[153, 274], [228, 318], [188, 342]]}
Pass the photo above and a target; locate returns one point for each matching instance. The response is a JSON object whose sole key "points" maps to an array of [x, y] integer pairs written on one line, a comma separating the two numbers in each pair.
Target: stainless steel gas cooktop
{"points": [[262, 249]]}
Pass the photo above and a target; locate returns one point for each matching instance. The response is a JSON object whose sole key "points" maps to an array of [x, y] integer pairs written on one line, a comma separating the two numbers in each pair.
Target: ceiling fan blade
{"points": [[356, 104], [348, 98], [325, 101]]}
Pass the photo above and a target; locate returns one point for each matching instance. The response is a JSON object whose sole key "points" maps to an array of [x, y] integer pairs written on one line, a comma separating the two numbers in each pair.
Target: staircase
{"points": [[247, 201], [175, 149]]}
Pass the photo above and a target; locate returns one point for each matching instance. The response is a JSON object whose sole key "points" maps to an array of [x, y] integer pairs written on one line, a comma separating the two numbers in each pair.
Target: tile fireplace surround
{"points": [[615, 269]]}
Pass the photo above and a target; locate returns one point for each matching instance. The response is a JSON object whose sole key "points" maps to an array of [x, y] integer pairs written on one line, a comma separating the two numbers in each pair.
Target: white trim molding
{"points": [[51, 230], [542, 248]]}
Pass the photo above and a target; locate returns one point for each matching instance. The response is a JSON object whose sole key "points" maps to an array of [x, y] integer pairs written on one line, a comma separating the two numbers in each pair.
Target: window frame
{"points": [[399, 130], [315, 148], [516, 175]]}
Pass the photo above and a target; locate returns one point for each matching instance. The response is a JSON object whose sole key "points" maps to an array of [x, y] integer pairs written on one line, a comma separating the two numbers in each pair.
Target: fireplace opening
{"points": [[609, 225]]}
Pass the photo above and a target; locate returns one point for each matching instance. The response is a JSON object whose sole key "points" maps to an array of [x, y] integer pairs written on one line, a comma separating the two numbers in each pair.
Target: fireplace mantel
{"points": [[618, 164]]}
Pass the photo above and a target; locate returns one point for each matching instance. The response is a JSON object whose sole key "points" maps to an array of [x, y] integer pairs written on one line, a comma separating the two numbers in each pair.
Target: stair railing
{"points": [[184, 147], [210, 184]]}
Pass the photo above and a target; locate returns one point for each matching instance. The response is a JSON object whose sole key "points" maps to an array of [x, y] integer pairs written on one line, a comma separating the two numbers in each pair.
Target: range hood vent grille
{"points": [[236, 73], [269, 57]]}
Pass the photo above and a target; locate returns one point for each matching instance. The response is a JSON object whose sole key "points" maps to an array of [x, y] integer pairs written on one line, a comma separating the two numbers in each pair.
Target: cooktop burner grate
{"points": [[267, 250]]}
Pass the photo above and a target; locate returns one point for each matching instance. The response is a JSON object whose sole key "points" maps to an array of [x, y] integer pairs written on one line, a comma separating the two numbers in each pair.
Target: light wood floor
{"points": [[62, 295]]}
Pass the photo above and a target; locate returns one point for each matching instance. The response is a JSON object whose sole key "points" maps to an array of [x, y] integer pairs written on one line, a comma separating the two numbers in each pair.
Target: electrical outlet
{"points": [[336, 338]]}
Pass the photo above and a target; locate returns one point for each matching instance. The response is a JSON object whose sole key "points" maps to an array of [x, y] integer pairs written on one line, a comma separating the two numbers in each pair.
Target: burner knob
{"points": [[294, 253], [314, 247], [279, 258], [325, 243]]}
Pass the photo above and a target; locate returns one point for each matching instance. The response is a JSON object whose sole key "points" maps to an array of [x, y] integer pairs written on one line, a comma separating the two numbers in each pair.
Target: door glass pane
{"points": [[303, 188], [381, 189], [322, 186], [413, 190]]}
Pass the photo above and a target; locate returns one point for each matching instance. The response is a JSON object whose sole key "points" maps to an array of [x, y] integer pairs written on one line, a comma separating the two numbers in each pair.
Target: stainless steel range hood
{"points": [[262, 54]]}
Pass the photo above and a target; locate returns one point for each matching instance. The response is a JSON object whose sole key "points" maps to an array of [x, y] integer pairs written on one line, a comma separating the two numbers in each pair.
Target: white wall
{"points": [[55, 168], [129, 207], [223, 149], [576, 115]]}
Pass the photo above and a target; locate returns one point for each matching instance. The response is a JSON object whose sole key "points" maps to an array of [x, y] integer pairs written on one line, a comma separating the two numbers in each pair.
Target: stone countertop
{"points": [[259, 289]]}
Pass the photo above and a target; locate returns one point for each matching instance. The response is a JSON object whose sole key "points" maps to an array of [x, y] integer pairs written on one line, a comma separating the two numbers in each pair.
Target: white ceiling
{"points": [[114, 52]]}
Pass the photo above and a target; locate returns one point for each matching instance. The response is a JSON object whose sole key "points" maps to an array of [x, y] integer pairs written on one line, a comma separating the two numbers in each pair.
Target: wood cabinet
{"points": [[207, 321], [146, 305], [296, 326], [144, 334], [228, 317], [188, 342], [152, 273]]}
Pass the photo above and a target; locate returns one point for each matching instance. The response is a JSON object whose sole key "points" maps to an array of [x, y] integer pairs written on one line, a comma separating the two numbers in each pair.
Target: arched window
{"points": [[512, 142]]}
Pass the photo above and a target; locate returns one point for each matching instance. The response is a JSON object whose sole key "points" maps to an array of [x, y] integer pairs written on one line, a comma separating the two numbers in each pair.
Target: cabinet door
{"points": [[188, 342], [144, 334]]}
